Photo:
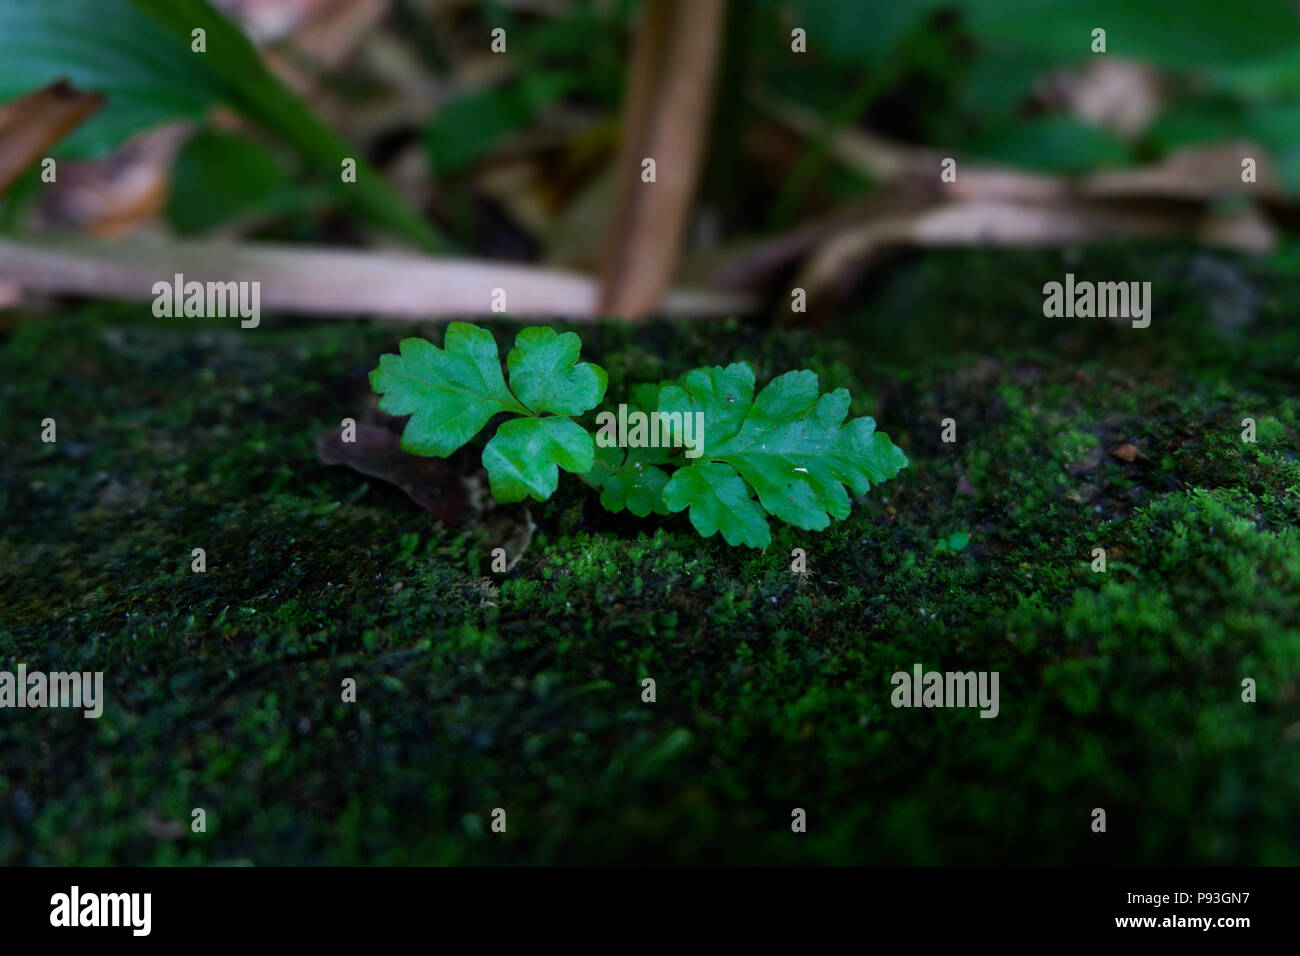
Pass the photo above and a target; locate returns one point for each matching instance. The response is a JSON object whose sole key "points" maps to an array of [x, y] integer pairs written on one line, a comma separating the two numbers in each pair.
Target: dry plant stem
{"points": [[1001, 223], [1192, 174], [31, 124], [324, 281], [674, 62], [990, 205]]}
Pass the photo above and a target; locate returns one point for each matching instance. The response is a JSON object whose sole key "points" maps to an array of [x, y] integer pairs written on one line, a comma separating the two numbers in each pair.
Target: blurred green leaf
{"points": [[1268, 78], [997, 83], [589, 41], [105, 45], [467, 128], [139, 53], [218, 177], [850, 33], [252, 89], [1052, 143], [1197, 121], [1274, 126], [1174, 33], [18, 198]]}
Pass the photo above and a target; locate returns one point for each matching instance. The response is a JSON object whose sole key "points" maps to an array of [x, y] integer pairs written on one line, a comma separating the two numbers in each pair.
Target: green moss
{"points": [[1119, 690]]}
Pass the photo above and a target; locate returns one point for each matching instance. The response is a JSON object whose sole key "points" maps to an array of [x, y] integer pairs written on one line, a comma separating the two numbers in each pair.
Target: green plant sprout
{"points": [[786, 451]]}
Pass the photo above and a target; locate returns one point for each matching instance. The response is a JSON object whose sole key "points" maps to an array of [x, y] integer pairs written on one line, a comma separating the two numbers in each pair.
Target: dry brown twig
{"points": [[669, 93], [990, 205], [321, 281]]}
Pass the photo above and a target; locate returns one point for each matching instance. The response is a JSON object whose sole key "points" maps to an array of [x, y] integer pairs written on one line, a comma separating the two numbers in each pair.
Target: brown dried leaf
{"points": [[1124, 451], [430, 482], [120, 193], [31, 124], [1128, 452]]}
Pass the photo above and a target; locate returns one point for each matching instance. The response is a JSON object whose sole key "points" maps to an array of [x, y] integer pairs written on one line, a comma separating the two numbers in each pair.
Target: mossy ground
{"points": [[1119, 690]]}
